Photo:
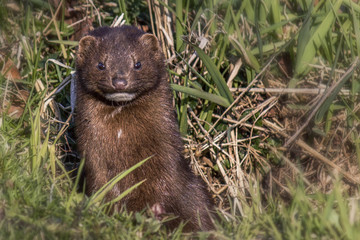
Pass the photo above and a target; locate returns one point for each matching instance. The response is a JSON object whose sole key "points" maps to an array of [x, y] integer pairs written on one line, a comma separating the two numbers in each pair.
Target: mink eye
{"points": [[101, 66], [137, 65]]}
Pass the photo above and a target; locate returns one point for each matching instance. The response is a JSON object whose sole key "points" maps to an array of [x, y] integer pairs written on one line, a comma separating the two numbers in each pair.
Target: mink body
{"points": [[124, 114]]}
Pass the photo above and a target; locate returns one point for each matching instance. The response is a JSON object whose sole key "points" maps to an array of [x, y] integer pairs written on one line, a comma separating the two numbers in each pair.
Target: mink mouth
{"points": [[113, 95], [120, 96]]}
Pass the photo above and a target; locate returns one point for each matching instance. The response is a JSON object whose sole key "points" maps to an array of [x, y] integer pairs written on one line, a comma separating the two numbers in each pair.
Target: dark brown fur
{"points": [[115, 135]]}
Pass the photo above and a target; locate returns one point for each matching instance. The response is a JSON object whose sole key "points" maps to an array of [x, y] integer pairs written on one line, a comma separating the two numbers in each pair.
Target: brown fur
{"points": [[115, 135]]}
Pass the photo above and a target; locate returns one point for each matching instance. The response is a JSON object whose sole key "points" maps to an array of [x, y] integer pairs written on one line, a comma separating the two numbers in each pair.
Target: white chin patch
{"points": [[120, 97]]}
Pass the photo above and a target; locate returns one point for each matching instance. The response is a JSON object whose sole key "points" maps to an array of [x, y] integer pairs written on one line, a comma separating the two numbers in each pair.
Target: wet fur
{"points": [[113, 136]]}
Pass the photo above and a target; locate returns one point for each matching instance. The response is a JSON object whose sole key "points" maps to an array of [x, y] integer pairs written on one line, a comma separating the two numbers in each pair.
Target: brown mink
{"points": [[124, 114]]}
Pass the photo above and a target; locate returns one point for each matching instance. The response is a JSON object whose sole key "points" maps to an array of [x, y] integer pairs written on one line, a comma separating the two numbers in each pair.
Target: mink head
{"points": [[119, 64]]}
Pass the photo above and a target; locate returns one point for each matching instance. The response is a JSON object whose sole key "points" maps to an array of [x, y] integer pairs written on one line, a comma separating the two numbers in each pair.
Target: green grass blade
{"points": [[325, 106], [353, 5], [200, 77], [35, 141], [247, 6], [100, 194], [269, 48], [65, 42], [215, 75], [179, 25], [356, 24], [276, 16], [126, 192], [201, 94], [258, 18], [73, 191], [122, 9], [183, 125], [240, 46], [307, 48], [52, 159]]}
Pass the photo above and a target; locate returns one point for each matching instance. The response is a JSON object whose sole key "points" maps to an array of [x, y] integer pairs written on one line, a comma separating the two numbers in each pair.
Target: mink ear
{"points": [[150, 41], [85, 44]]}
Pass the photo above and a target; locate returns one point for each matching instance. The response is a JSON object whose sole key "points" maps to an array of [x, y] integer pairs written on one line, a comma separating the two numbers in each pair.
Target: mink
{"points": [[124, 114]]}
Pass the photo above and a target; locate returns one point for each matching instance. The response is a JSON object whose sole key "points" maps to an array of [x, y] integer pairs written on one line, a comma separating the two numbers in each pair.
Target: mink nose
{"points": [[119, 84]]}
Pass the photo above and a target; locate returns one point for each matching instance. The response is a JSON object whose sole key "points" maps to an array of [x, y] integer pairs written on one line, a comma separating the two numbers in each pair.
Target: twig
{"points": [[244, 124], [53, 17], [96, 10], [288, 90], [151, 16]]}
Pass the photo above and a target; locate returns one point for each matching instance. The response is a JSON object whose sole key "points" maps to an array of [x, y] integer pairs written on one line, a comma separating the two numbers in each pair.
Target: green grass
{"points": [[272, 190]]}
